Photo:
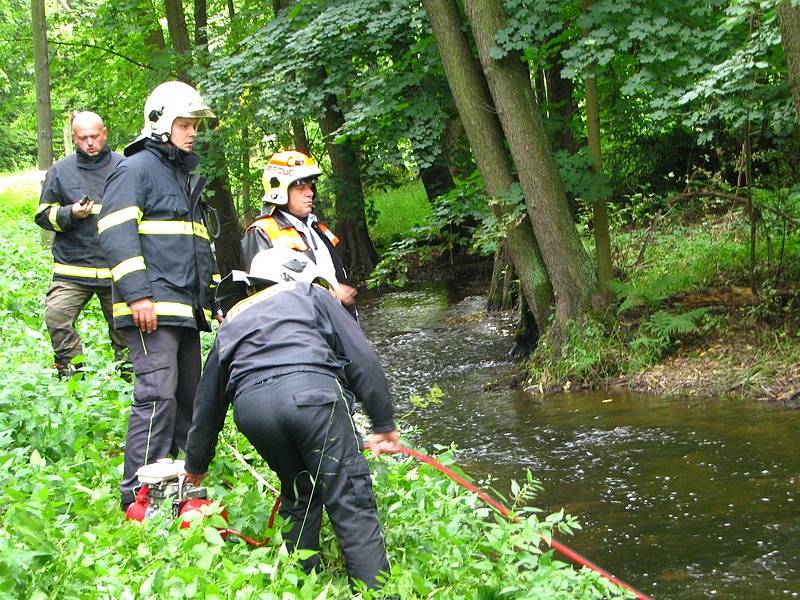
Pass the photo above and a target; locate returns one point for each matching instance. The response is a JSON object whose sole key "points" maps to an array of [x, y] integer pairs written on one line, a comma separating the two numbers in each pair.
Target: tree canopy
{"points": [[682, 87]]}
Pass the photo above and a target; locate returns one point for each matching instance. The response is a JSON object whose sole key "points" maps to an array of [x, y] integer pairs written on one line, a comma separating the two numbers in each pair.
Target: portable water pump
{"points": [[162, 488]]}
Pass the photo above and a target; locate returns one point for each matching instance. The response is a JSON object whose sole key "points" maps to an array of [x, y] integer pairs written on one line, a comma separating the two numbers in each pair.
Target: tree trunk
{"points": [[153, 40], [179, 35], [561, 109], [568, 265], [455, 147], [436, 179], [789, 17], [501, 293], [300, 137], [602, 238], [44, 119], [562, 106], [486, 139], [358, 253], [526, 333], [227, 246], [201, 24]]}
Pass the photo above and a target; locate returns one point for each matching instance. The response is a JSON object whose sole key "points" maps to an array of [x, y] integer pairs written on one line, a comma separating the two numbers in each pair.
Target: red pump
{"points": [[162, 488]]}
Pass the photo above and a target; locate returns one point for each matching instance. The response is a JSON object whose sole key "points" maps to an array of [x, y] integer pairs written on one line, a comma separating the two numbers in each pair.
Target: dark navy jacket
{"points": [[155, 238], [286, 328], [77, 254]]}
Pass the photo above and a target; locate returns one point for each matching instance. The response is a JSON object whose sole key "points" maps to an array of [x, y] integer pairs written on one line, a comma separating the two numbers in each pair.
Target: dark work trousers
{"points": [[301, 424], [167, 366], [62, 305]]}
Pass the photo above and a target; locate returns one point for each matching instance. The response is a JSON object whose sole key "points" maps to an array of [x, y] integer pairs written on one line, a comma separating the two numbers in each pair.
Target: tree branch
{"points": [[733, 198], [122, 56], [58, 43]]}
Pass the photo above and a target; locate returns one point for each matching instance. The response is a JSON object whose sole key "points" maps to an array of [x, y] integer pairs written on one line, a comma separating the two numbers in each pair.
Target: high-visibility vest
{"points": [[289, 237]]}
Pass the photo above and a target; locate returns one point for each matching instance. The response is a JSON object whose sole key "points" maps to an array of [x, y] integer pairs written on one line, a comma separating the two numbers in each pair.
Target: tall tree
{"points": [[360, 256], [602, 237], [42, 76], [179, 35], [789, 16], [567, 263], [227, 246], [486, 139]]}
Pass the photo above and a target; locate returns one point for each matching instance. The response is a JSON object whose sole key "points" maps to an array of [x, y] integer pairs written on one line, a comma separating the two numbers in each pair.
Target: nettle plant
{"points": [[62, 534]]}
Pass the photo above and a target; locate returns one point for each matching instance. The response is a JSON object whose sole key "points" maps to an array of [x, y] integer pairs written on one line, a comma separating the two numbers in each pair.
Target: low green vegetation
{"points": [[681, 281], [62, 534], [394, 212]]}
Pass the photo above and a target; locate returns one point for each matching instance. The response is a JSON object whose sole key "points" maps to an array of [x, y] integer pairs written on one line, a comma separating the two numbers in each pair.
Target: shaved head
{"points": [[88, 132], [86, 118]]}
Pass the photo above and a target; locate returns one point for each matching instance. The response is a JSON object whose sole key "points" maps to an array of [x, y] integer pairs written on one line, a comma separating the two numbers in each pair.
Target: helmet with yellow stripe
{"points": [[284, 170]]}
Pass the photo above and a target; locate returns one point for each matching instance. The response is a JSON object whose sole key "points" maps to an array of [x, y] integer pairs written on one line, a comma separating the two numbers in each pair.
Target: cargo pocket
{"points": [[151, 377], [360, 482], [316, 397]]}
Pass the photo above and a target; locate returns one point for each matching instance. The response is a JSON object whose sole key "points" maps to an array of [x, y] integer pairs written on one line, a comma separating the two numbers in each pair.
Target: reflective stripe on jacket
{"points": [[77, 254], [275, 230], [157, 243]]}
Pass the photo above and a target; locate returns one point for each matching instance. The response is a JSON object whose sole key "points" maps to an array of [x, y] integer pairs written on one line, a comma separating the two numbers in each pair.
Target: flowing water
{"points": [[681, 498]]}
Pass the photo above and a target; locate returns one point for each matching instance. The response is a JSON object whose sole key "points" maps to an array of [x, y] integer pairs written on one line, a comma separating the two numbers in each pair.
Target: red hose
{"points": [[569, 553], [226, 532]]}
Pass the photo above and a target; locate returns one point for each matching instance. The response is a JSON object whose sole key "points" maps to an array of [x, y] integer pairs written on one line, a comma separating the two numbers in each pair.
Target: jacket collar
{"points": [[92, 163], [168, 152]]}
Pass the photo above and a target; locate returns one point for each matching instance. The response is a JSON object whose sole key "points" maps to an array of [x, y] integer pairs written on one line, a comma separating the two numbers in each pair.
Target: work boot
{"points": [[67, 369], [62, 370]]}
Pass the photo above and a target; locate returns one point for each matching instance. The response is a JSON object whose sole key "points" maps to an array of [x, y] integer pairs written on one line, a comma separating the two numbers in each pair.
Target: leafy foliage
{"points": [[659, 333], [587, 352], [62, 534], [440, 234], [18, 142]]}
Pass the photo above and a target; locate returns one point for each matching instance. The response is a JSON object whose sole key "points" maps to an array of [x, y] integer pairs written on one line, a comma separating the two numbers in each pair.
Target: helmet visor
{"points": [[311, 180], [200, 113]]}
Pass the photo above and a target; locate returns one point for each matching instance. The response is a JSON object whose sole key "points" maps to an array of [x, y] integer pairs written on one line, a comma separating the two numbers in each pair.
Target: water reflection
{"points": [[683, 499]]}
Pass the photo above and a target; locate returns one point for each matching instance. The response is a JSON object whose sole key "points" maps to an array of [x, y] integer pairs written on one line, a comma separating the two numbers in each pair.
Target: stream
{"points": [[681, 498]]}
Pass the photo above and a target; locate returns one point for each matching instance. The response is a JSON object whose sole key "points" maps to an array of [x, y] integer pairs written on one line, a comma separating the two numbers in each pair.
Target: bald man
{"points": [[71, 199]]}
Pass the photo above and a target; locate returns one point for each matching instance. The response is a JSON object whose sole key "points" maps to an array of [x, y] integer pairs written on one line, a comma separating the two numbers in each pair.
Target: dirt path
{"points": [[28, 181]]}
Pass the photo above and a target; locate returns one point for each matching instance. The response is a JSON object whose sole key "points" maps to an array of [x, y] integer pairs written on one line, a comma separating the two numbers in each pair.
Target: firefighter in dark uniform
{"points": [[291, 360], [286, 220], [71, 199], [153, 231]]}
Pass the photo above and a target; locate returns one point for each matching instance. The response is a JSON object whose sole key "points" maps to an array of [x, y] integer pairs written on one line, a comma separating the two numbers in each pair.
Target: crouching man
{"points": [[291, 360]]}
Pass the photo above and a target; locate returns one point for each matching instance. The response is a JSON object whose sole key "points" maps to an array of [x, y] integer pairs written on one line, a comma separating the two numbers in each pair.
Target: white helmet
{"points": [[281, 264], [284, 170], [166, 103]]}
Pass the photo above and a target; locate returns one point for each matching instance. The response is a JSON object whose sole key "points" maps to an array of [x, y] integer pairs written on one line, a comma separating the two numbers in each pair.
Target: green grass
{"points": [[681, 259], [678, 259], [19, 193], [398, 211], [62, 534]]}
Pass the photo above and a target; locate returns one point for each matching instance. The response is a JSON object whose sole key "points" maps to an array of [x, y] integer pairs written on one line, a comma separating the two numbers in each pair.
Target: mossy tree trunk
{"points": [[486, 139], [358, 252], [568, 265], [501, 292]]}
